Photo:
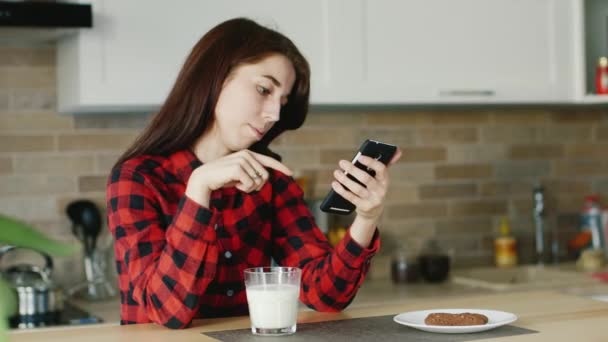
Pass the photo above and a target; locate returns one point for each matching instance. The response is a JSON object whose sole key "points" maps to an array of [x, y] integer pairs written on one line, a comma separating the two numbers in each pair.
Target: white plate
{"points": [[415, 319]]}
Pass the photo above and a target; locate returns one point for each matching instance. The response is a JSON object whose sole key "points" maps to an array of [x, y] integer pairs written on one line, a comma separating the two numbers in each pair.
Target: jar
{"points": [[403, 269], [434, 263]]}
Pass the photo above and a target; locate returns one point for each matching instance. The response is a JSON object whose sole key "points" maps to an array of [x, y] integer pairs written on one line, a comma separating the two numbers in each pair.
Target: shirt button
{"points": [[229, 293], [228, 255], [215, 227]]}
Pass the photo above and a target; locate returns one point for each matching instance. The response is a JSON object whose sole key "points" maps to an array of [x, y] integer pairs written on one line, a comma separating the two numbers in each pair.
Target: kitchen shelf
{"points": [[594, 45], [595, 99]]}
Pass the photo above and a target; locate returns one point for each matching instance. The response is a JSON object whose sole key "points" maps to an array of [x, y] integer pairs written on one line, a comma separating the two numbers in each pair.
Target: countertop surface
{"points": [[379, 289], [374, 291], [377, 296], [556, 316]]}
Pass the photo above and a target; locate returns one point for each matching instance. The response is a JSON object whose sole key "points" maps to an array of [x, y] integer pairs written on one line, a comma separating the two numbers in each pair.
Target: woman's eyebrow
{"points": [[274, 80]]}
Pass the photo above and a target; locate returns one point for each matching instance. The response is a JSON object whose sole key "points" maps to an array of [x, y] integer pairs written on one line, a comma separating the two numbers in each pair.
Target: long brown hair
{"points": [[188, 110]]}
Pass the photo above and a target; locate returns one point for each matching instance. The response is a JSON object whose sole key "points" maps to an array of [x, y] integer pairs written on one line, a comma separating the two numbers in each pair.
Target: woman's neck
{"points": [[209, 147]]}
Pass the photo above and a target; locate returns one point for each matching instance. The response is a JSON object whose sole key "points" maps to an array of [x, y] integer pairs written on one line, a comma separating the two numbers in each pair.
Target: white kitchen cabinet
{"points": [[361, 51], [464, 51], [131, 58]]}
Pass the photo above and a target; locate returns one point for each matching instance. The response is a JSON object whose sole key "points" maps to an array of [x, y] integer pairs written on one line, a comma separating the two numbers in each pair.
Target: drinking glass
{"points": [[272, 296]]}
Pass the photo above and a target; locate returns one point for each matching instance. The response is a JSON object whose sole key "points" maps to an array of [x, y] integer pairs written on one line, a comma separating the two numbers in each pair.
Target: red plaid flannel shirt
{"points": [[178, 260]]}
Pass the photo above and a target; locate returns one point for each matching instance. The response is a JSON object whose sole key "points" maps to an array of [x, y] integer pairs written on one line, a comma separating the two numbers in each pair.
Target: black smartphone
{"points": [[336, 204]]}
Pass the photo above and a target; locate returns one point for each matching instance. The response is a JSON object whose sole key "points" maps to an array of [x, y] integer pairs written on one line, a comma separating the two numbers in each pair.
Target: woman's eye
{"points": [[263, 90]]}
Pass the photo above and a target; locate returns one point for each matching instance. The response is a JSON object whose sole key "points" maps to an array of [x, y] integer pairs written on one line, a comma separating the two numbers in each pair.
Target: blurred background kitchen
{"points": [[488, 100]]}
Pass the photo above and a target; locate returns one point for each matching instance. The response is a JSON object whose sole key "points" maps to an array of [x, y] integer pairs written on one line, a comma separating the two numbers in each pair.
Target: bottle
{"points": [[505, 246], [538, 212], [605, 228], [601, 76], [336, 234], [591, 221]]}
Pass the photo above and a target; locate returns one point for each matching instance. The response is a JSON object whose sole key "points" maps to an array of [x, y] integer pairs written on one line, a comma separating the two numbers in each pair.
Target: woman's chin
{"points": [[243, 144]]}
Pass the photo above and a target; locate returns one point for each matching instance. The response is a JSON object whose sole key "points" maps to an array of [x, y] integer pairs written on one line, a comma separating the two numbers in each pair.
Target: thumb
{"points": [[396, 157]]}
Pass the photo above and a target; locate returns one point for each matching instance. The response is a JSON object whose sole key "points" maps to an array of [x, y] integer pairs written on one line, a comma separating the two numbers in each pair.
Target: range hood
{"points": [[23, 22]]}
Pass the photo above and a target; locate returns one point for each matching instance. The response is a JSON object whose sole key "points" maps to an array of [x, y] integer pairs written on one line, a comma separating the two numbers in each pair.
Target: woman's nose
{"points": [[272, 111]]}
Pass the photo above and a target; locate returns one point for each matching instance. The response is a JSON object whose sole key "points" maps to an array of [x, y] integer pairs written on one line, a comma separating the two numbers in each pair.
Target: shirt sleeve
{"points": [[169, 261], [330, 276]]}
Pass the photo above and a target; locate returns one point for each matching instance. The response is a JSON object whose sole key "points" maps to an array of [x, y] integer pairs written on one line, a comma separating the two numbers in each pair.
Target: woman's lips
{"points": [[259, 134]]}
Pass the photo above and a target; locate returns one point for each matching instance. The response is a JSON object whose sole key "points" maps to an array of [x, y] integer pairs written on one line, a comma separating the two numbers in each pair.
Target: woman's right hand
{"points": [[245, 170]]}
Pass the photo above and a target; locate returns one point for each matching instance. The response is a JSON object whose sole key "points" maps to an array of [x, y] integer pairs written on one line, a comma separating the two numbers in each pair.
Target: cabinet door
{"points": [[131, 57], [436, 51], [360, 51]]}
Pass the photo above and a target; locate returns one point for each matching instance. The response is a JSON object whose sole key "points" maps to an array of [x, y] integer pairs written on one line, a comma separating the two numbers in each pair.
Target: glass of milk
{"points": [[272, 296]]}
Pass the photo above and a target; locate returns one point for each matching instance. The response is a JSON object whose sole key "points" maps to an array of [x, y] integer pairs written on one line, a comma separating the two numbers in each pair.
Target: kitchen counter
{"points": [[556, 316], [378, 289], [373, 292], [108, 310]]}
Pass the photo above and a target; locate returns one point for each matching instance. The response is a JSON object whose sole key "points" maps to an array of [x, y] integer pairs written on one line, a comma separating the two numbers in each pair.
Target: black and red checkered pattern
{"points": [[177, 260]]}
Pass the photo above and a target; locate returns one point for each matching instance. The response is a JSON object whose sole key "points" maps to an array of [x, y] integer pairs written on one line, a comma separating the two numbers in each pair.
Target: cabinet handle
{"points": [[467, 92]]}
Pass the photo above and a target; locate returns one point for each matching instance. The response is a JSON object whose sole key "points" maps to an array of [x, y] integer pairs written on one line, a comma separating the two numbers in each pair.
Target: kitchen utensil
{"points": [[99, 287], [86, 222], [40, 299], [86, 226]]}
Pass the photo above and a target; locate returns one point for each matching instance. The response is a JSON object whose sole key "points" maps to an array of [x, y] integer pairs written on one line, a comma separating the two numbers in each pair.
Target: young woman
{"points": [[199, 196]]}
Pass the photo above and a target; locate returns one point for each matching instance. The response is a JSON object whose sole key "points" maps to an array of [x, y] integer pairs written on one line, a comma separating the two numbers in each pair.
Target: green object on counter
{"points": [[8, 304], [21, 234]]}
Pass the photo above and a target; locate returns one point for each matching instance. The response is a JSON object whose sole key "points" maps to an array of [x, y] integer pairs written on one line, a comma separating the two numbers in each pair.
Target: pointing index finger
{"points": [[272, 163]]}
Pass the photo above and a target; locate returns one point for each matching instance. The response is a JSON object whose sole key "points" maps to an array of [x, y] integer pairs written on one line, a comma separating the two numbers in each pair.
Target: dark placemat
{"points": [[366, 329]]}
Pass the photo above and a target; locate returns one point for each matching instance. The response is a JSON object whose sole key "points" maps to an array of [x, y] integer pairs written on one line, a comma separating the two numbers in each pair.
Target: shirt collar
{"points": [[183, 162]]}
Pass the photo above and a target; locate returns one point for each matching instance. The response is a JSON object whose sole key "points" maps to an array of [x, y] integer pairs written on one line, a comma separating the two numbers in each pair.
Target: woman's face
{"points": [[250, 101]]}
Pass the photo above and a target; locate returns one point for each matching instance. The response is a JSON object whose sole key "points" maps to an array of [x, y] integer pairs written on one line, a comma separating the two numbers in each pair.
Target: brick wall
{"points": [[461, 171]]}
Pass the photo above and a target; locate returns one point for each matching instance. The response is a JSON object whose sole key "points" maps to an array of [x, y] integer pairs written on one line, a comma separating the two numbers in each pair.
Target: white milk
{"points": [[273, 306]]}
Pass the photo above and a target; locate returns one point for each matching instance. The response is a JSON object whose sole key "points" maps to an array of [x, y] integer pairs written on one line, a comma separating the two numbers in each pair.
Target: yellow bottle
{"points": [[505, 246], [335, 235]]}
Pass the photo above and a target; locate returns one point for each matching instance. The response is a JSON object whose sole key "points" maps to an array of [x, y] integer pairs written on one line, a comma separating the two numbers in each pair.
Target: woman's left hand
{"points": [[368, 199]]}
